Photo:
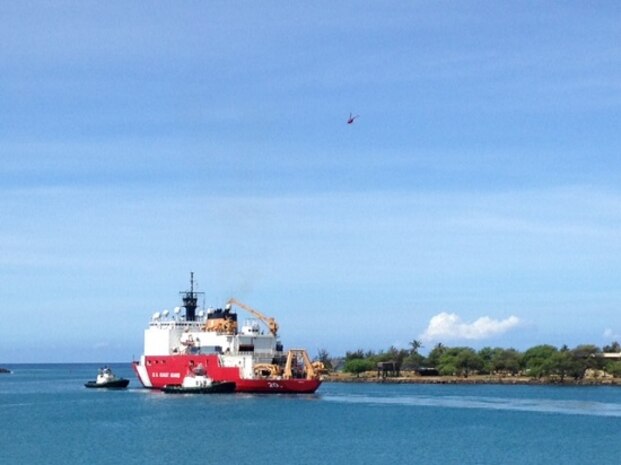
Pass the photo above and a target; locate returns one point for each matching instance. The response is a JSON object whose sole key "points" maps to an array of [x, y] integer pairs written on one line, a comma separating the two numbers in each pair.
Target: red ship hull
{"points": [[157, 371]]}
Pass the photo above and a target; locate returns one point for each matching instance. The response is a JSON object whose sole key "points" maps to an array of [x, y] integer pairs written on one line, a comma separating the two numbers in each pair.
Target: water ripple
{"points": [[539, 405]]}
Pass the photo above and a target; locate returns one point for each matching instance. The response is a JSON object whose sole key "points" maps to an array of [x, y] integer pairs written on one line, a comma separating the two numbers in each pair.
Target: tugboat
{"points": [[252, 356], [195, 382], [107, 379]]}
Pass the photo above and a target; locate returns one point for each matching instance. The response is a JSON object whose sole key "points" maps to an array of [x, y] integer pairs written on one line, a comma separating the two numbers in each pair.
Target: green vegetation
{"points": [[541, 361], [358, 365]]}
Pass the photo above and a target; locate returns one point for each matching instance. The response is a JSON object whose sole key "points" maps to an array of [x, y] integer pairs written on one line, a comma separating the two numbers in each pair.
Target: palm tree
{"points": [[415, 344]]}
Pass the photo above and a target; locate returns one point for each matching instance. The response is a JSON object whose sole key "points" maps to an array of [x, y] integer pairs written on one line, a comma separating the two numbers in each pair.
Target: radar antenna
{"points": [[190, 299]]}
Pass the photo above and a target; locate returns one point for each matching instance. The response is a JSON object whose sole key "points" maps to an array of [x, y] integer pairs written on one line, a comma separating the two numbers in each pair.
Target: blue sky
{"points": [[475, 200]]}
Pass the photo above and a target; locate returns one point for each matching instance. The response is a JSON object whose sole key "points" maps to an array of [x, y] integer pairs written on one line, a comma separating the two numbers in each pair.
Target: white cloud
{"points": [[610, 334], [450, 326]]}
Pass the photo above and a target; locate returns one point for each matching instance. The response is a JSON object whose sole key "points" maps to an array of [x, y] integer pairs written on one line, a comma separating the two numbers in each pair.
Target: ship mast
{"points": [[190, 299]]}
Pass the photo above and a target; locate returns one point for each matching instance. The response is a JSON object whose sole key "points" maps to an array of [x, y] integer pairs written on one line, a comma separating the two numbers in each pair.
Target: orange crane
{"points": [[269, 321], [296, 358]]}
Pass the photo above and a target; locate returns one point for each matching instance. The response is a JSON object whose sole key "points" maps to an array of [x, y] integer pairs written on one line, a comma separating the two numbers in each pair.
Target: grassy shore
{"points": [[413, 378]]}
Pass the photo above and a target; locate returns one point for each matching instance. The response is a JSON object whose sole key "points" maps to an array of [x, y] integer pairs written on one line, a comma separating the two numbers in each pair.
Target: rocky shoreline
{"points": [[472, 380]]}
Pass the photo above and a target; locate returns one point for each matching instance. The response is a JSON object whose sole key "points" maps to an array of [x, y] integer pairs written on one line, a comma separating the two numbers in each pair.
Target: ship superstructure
{"points": [[249, 355]]}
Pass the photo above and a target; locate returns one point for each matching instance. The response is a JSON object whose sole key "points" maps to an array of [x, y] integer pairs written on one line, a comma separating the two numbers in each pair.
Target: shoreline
{"points": [[473, 380]]}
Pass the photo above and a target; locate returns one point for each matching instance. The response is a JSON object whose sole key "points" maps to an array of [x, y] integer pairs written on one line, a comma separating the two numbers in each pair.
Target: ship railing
{"points": [[263, 359], [175, 324], [259, 353]]}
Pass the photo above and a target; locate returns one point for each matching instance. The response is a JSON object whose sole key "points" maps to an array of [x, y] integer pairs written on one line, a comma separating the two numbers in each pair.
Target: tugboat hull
{"points": [[215, 388], [116, 384]]}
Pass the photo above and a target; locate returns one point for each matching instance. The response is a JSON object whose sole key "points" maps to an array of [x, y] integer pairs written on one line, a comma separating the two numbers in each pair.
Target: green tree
{"points": [[353, 355], [614, 347], [487, 355], [358, 365], [537, 361], [458, 361], [398, 355], [562, 364], [447, 365], [585, 357], [324, 357], [433, 359], [415, 345], [506, 361], [467, 361], [413, 361], [614, 368]]}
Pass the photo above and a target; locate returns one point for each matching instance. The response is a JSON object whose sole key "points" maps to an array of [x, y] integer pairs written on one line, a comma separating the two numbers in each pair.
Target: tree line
{"points": [[540, 361]]}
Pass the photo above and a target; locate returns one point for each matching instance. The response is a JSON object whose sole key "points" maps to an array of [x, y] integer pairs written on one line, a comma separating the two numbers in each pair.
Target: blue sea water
{"points": [[48, 417]]}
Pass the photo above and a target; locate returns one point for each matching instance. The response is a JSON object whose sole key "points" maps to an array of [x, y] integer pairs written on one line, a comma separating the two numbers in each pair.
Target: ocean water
{"points": [[48, 417]]}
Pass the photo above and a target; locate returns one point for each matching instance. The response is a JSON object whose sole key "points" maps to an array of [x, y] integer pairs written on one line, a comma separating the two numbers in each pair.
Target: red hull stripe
{"points": [[163, 370]]}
